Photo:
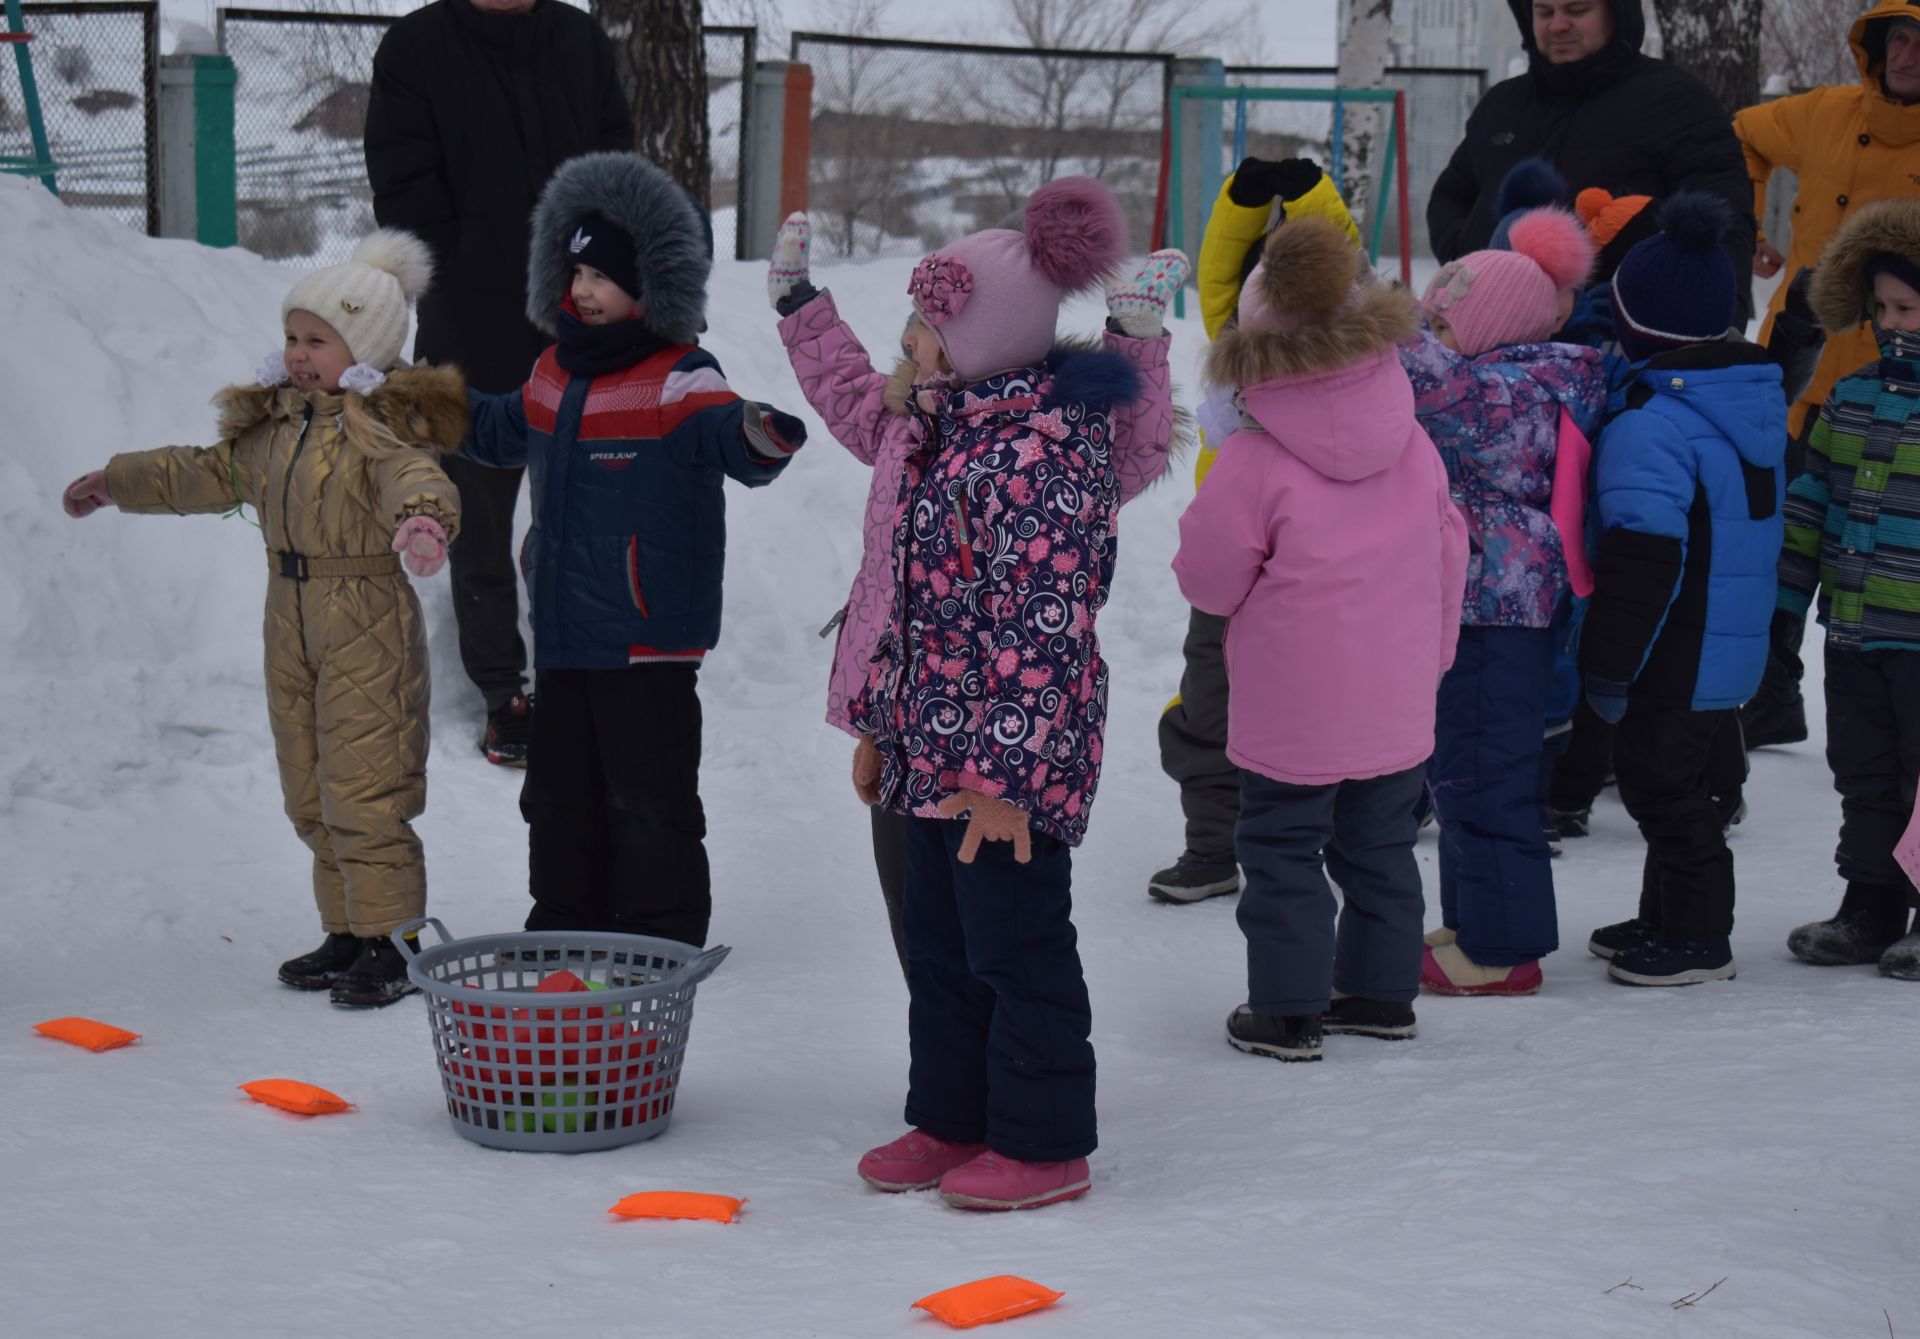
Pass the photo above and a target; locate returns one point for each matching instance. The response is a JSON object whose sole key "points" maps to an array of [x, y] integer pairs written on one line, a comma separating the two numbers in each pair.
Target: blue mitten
{"points": [[1608, 699]]}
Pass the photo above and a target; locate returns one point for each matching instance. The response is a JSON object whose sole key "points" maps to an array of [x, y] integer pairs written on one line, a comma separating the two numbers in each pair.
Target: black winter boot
{"points": [[1870, 918], [378, 977], [509, 727], [1354, 1016], [1194, 878], [1661, 961], [1611, 939], [1901, 961], [1294, 1037], [319, 969]]}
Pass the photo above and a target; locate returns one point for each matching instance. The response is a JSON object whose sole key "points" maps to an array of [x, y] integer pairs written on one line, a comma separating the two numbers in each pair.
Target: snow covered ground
{"points": [[1498, 1175]]}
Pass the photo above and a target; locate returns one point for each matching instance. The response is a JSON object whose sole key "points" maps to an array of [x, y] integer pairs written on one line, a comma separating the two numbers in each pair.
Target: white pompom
{"points": [[273, 369], [362, 379], [401, 254]]}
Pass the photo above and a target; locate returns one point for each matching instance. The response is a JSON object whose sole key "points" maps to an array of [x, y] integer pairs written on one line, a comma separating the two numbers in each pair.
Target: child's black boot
{"points": [[378, 977], [320, 969]]}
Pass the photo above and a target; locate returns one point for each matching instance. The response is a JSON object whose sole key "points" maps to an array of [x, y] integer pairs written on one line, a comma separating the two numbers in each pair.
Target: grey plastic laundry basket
{"points": [[565, 1072]]}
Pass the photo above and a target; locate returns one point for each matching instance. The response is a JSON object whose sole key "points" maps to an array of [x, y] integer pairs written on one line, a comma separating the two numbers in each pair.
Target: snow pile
{"points": [[1500, 1174]]}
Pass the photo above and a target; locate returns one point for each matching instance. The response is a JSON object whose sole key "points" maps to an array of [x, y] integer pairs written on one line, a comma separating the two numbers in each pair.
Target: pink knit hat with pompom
{"points": [[993, 298], [1493, 298]]}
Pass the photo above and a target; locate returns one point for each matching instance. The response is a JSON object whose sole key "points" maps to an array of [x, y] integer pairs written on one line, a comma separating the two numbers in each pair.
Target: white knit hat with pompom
{"points": [[366, 299]]}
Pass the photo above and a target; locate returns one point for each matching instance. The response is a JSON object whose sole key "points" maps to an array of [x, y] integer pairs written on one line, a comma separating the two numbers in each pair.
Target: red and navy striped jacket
{"points": [[626, 553]]}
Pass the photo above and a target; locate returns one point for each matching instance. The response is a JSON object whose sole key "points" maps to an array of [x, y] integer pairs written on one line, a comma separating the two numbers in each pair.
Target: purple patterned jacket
{"points": [[989, 675], [867, 411], [1496, 421]]}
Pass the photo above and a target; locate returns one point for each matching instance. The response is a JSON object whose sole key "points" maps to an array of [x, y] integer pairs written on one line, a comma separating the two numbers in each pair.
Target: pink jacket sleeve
{"points": [[1143, 430], [1225, 537], [837, 378]]}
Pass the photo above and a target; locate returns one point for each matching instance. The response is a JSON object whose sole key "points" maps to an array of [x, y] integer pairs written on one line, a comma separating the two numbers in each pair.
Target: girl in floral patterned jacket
{"points": [[876, 416], [1511, 414], [983, 711]]}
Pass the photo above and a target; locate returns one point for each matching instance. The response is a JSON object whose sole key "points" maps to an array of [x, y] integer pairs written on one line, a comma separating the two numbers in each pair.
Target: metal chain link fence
{"points": [[300, 112], [1438, 102], [896, 171], [97, 68]]}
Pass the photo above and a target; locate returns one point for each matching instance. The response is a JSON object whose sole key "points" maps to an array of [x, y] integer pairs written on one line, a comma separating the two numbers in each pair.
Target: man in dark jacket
{"points": [[474, 104], [1604, 115]]}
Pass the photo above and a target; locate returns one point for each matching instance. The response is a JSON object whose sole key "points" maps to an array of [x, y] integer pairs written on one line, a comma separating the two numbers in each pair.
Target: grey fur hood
{"points": [[673, 255]]}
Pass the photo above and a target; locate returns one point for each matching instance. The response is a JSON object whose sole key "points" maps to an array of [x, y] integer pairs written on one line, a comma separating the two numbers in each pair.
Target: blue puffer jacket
{"points": [[625, 557], [1689, 482]]}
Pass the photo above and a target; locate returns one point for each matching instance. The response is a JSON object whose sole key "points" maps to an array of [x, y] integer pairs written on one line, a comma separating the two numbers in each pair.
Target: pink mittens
{"points": [[87, 494], [421, 544]]}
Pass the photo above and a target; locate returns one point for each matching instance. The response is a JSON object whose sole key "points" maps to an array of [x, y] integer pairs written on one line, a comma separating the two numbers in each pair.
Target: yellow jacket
{"points": [[1232, 231], [1848, 145]]}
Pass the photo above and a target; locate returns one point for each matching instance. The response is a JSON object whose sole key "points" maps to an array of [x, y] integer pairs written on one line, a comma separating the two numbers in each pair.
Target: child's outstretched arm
{"points": [[744, 439], [497, 434], [835, 374], [179, 480], [1806, 514], [1224, 533], [1136, 331]]}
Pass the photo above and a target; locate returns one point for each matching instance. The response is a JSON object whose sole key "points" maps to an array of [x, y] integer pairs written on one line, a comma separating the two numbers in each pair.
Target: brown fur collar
{"points": [[1311, 271], [1840, 294], [419, 408]]}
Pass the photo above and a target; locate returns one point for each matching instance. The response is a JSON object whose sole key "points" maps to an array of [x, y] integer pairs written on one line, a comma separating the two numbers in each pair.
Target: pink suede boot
{"points": [[995, 1181], [915, 1161], [1447, 970]]}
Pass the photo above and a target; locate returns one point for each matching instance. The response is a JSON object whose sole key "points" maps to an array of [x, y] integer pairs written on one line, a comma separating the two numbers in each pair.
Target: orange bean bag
{"points": [[292, 1095], [1001, 1297], [87, 1032], [679, 1204]]}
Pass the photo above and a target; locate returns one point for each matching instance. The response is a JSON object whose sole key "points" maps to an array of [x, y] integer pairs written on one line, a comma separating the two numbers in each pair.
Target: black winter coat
{"points": [[470, 114], [1619, 120]]}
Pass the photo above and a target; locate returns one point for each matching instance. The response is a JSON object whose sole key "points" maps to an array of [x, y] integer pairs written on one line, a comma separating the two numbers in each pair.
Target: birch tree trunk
{"points": [[661, 54], [1719, 42], [1365, 49]]}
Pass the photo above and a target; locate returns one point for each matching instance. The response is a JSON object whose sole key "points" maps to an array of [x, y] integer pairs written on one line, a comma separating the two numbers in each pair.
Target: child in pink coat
{"points": [[1326, 536], [881, 417]]}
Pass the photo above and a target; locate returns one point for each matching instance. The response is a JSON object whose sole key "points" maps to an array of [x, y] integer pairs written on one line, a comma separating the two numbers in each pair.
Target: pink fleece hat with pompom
{"points": [[993, 298], [1493, 298]]}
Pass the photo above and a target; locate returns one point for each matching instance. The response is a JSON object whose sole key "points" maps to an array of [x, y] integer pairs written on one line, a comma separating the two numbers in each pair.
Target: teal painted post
{"points": [[216, 179], [1176, 206], [30, 94]]}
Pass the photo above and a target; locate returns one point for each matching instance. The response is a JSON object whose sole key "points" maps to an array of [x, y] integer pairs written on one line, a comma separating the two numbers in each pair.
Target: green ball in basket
{"points": [[549, 1120]]}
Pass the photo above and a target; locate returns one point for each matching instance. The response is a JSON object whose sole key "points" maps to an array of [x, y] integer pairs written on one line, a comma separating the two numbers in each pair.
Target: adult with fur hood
{"points": [[1852, 522], [337, 448], [627, 428], [1604, 114], [986, 702], [1326, 537], [879, 417], [1511, 413]]}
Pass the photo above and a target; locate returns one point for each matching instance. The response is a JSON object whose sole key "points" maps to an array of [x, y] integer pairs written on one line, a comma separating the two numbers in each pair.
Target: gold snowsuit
{"points": [[332, 476]]}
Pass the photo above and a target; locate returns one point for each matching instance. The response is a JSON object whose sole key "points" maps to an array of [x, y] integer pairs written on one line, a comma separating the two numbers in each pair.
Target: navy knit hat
{"points": [[606, 246], [1531, 183], [1678, 286]]}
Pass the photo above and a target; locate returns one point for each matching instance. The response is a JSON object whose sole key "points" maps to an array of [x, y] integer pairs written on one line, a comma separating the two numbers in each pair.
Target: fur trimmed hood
{"points": [[1840, 296], [1314, 306], [418, 408], [673, 249]]}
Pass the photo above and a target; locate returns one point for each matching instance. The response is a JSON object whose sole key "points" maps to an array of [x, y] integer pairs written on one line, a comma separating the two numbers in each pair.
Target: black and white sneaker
{"points": [[319, 969], [1355, 1016], [1610, 939], [1195, 878], [1293, 1037], [1673, 962], [377, 978]]}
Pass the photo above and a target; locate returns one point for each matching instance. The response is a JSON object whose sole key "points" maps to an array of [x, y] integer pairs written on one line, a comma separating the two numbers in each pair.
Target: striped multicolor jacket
{"points": [[625, 556], [1853, 518]]}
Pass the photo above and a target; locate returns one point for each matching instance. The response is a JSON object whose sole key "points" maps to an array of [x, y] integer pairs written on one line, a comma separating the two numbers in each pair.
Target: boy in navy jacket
{"points": [[1689, 482], [628, 429]]}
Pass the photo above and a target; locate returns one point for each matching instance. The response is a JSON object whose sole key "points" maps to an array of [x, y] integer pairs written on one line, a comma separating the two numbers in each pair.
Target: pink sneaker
{"points": [[1447, 970], [915, 1161], [995, 1181]]}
